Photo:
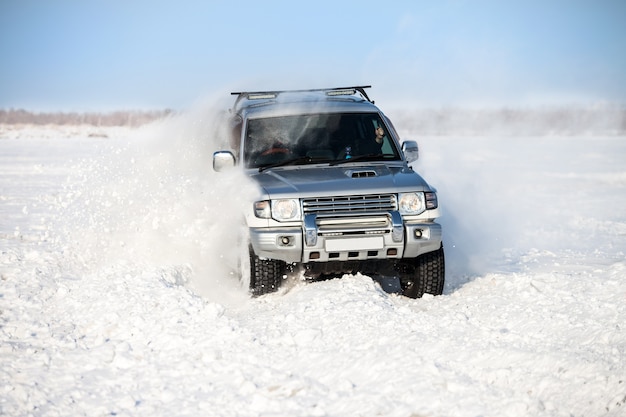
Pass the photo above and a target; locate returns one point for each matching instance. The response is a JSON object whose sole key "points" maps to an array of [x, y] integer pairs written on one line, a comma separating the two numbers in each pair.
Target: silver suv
{"points": [[336, 192]]}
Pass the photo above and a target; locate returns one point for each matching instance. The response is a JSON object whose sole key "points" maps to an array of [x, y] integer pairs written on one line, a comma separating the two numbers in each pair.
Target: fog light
{"points": [[285, 240], [314, 255], [392, 252], [418, 233]]}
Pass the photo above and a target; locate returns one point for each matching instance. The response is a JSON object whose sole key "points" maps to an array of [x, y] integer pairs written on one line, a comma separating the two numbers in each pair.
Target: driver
{"points": [[374, 146]]}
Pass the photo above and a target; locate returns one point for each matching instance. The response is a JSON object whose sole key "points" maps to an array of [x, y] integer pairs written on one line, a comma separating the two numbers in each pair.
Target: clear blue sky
{"points": [[77, 55]]}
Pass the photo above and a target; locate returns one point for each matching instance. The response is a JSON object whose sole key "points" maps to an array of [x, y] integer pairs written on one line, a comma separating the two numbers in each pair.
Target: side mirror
{"points": [[223, 160], [411, 151]]}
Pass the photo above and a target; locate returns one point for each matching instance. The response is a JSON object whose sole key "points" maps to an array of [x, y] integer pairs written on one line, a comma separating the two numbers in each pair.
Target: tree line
{"points": [[603, 119], [126, 118]]}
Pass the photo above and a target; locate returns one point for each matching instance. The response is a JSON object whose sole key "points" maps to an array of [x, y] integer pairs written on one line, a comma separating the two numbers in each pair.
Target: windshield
{"points": [[317, 138]]}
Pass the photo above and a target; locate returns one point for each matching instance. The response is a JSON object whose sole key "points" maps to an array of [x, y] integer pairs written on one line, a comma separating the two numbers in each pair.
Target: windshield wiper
{"points": [[368, 157], [293, 161]]}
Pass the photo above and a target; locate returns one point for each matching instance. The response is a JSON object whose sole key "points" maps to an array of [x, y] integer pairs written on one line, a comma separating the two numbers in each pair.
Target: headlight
{"points": [[285, 210], [411, 203]]}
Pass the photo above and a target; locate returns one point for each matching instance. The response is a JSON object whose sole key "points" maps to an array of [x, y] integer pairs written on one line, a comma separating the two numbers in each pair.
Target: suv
{"points": [[337, 194]]}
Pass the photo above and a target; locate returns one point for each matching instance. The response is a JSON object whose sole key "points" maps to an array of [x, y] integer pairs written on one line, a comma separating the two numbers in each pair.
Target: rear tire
{"points": [[266, 275], [426, 275]]}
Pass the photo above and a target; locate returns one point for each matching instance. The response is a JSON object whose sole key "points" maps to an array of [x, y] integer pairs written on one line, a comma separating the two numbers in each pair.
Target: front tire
{"points": [[266, 275], [425, 275]]}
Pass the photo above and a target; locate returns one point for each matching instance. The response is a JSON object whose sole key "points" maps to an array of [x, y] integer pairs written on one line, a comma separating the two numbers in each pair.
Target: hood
{"points": [[307, 181]]}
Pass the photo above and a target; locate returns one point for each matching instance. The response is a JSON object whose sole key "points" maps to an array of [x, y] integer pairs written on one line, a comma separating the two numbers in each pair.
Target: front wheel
{"points": [[266, 275], [425, 275]]}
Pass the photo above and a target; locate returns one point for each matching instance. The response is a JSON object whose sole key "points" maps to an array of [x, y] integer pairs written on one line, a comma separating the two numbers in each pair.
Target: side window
{"points": [[387, 149], [371, 136], [380, 136], [378, 139], [234, 135], [236, 139]]}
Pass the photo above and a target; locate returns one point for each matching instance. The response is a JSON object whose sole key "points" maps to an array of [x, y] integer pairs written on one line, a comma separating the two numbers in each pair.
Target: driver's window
{"points": [[380, 142]]}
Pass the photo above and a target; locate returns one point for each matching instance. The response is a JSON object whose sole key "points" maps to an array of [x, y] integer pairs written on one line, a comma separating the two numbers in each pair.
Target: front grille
{"points": [[354, 204]]}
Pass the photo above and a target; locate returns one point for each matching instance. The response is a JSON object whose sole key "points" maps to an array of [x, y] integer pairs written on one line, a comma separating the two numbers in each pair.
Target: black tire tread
{"points": [[266, 275], [428, 275]]}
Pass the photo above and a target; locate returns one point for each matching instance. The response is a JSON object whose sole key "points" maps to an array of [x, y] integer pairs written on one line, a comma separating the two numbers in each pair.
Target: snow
{"points": [[117, 294]]}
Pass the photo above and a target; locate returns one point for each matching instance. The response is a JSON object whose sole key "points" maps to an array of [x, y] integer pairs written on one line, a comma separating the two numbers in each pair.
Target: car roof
{"points": [[293, 102]]}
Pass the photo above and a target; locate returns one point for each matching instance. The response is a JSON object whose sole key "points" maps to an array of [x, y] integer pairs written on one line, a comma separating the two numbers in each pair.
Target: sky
{"points": [[90, 55]]}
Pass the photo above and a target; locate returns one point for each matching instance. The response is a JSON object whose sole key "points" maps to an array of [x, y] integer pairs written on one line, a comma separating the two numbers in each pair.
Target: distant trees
{"points": [[125, 118], [607, 119]]}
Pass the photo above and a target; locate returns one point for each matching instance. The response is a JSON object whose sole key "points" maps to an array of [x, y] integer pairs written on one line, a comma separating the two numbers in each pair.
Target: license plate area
{"points": [[354, 244]]}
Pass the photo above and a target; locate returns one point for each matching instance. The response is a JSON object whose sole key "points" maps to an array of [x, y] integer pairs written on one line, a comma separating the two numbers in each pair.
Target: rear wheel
{"points": [[266, 275], [424, 275]]}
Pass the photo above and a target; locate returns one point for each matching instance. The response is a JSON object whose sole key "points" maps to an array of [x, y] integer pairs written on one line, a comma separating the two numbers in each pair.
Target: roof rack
{"points": [[335, 91]]}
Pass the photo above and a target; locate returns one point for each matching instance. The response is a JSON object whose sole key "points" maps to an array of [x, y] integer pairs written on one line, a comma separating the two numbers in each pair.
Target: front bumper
{"points": [[324, 239]]}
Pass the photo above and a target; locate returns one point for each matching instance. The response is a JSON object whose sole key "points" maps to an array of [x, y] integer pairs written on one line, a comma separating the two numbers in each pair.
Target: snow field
{"points": [[117, 295]]}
